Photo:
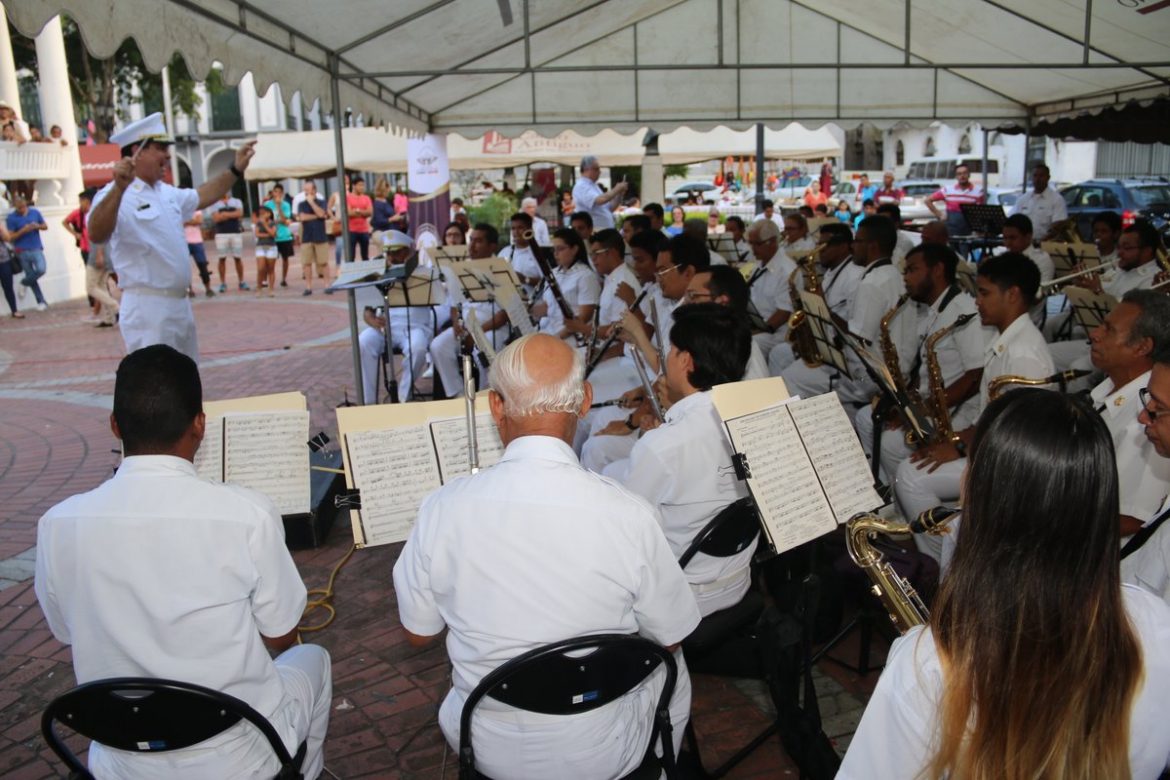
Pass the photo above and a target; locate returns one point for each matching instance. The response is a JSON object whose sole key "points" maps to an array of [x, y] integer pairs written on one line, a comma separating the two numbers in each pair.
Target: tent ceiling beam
{"points": [[392, 26]]}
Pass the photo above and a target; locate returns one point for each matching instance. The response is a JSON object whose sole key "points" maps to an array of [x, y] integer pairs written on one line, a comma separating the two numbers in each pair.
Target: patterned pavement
{"points": [[56, 385]]}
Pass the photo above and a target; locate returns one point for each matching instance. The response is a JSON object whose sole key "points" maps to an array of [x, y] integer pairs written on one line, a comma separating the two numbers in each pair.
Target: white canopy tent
{"points": [[309, 154]]}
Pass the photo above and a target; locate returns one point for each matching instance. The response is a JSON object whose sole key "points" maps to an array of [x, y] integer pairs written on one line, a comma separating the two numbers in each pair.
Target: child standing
{"points": [[265, 251]]}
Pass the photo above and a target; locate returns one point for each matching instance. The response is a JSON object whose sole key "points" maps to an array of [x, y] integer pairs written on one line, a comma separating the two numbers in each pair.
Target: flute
{"points": [[612, 336], [648, 386], [658, 336]]}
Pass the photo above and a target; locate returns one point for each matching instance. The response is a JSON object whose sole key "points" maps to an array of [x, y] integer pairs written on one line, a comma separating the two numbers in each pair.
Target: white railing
{"points": [[34, 160]]}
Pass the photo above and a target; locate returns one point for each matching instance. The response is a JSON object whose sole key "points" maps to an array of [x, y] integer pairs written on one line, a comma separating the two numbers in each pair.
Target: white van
{"points": [[943, 169]]}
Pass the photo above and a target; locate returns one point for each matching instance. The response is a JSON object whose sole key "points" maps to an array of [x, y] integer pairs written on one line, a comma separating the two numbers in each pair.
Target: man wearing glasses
{"points": [[1123, 346], [1145, 558], [769, 283]]}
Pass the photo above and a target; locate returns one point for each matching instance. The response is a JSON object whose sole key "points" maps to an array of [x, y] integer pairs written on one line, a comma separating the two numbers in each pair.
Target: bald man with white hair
{"points": [[588, 196], [557, 552], [539, 226]]}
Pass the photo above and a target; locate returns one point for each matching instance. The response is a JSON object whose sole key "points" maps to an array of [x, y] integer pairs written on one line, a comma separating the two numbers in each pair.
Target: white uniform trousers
{"points": [[147, 319], [780, 358], [918, 491], [445, 357], [894, 448], [768, 341], [372, 345], [600, 451], [307, 674]]}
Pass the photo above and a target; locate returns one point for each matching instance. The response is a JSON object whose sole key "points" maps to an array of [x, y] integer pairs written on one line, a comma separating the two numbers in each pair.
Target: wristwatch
{"points": [[235, 171]]}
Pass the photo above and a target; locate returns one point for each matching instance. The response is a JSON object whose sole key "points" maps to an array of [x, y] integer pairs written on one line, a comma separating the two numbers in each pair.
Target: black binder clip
{"points": [[348, 499], [740, 463], [318, 442]]}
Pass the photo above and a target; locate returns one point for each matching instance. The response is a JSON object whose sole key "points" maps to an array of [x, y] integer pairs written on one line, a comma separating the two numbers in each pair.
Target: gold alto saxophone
{"points": [[903, 604], [939, 410], [1062, 378], [915, 415], [800, 336]]}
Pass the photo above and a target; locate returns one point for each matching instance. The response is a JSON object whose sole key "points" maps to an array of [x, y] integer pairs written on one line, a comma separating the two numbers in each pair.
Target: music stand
{"points": [[820, 322], [416, 287], [452, 253], [1089, 309], [985, 222], [723, 244]]}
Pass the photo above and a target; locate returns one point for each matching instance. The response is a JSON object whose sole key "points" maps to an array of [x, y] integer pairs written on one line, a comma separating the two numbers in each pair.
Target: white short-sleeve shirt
{"points": [[1123, 281], [158, 573], [1019, 351], [1149, 566], [894, 738], [613, 307], [958, 352], [148, 245], [523, 261], [1043, 208], [585, 195], [1144, 475], [579, 286], [533, 550], [768, 285], [683, 467]]}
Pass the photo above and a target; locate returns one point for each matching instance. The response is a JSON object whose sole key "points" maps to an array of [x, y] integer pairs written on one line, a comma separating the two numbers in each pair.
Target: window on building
{"points": [[931, 150], [225, 110], [899, 154], [965, 144]]}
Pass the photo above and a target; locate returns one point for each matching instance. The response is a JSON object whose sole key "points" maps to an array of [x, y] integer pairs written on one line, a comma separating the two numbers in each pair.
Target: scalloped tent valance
{"points": [[473, 66]]}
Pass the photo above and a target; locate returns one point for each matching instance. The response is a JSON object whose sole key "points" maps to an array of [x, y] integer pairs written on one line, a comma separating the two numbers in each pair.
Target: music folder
{"points": [[801, 459]]}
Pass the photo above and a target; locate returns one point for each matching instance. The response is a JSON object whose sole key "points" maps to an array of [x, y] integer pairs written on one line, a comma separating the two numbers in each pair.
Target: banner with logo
{"points": [[429, 188]]}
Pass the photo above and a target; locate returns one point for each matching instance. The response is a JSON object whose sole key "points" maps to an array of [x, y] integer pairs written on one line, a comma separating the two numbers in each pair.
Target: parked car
{"points": [[702, 191], [1131, 198], [913, 205], [1006, 197]]}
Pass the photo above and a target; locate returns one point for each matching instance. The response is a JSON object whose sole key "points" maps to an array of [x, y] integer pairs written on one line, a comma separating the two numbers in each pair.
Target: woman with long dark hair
{"points": [[1036, 661], [578, 284]]}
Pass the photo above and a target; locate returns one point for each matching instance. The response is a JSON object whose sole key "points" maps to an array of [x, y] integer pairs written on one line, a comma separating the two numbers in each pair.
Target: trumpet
{"points": [[903, 604], [1062, 378], [1053, 287]]}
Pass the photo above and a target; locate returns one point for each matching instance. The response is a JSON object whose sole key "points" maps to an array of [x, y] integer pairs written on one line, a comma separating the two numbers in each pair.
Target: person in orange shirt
{"points": [[813, 196], [360, 208]]}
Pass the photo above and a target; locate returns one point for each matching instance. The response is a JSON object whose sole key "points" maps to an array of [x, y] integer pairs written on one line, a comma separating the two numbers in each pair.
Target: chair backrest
{"points": [[729, 532], [147, 715], [573, 676]]}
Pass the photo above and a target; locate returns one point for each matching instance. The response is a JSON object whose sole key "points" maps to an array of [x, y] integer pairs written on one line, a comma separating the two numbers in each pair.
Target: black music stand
{"points": [[825, 332], [985, 222], [406, 291], [1089, 309]]}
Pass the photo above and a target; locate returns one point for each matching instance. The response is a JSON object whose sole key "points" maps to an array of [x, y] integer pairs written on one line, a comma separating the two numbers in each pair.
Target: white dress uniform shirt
{"points": [[839, 286], [1149, 566], [613, 307], [585, 195], [540, 232], [1020, 350], [1043, 208], [907, 240], [149, 249], [579, 286], [958, 352], [683, 467], [158, 573], [1144, 475], [523, 261], [535, 550], [897, 733], [1075, 352], [1139, 278]]}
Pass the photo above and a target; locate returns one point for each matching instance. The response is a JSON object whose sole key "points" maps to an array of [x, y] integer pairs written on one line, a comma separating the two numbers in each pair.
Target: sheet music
{"points": [[209, 456], [394, 470], [511, 302], [360, 270], [267, 451], [785, 486], [451, 445], [836, 455]]}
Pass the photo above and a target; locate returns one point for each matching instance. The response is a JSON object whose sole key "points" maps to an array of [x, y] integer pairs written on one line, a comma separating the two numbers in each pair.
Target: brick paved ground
{"points": [[56, 381]]}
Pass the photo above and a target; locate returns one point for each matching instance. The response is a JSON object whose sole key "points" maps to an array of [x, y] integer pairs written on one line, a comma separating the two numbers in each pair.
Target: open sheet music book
{"points": [[360, 271], [260, 443], [397, 454], [801, 459]]}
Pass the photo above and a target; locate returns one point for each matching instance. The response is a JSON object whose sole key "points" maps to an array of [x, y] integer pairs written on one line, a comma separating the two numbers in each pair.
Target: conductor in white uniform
{"points": [[141, 217], [534, 550]]}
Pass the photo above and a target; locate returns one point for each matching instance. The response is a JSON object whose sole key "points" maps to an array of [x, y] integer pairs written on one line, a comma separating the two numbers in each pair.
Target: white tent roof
{"points": [[309, 154], [470, 66]]}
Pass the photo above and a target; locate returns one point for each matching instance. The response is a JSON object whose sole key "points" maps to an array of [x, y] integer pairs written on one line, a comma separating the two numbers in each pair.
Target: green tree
{"points": [[94, 83]]}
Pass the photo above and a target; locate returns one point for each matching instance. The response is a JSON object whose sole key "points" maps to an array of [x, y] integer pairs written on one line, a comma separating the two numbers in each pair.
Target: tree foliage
{"points": [[100, 87]]}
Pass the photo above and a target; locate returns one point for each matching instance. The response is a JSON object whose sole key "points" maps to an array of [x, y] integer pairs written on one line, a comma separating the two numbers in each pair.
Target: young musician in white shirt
{"points": [[1145, 558]]}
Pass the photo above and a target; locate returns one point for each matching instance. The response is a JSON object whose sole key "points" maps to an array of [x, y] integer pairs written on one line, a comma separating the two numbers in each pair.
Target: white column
{"points": [[57, 109], [9, 91], [653, 179], [65, 274]]}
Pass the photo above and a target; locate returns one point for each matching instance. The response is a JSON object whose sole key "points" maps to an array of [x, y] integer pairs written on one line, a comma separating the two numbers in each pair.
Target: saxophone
{"points": [[1062, 378], [910, 404], [800, 335], [939, 411], [903, 604]]}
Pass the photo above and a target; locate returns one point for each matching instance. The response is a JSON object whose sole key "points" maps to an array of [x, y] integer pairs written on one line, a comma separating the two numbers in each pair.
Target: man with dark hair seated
{"points": [[159, 573], [681, 466]]}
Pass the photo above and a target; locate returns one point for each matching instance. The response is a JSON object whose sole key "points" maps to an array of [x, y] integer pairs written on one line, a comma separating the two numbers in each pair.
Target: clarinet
{"points": [[605, 345], [553, 285]]}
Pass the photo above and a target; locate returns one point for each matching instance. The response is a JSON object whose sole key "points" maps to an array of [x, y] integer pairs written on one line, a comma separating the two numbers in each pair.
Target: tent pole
{"points": [[984, 168], [335, 98], [759, 167], [1027, 140]]}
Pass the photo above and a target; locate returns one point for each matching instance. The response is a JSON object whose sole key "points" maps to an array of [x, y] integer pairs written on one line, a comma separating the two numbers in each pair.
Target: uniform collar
{"points": [[1117, 400], [540, 448], [691, 403], [157, 465], [1010, 334]]}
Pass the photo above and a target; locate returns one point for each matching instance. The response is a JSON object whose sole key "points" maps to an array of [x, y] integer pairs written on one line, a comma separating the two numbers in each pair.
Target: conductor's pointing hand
{"points": [[244, 155]]}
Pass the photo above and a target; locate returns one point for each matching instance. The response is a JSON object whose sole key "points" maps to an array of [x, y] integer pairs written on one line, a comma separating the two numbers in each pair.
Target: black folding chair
{"points": [[556, 680], [146, 715]]}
